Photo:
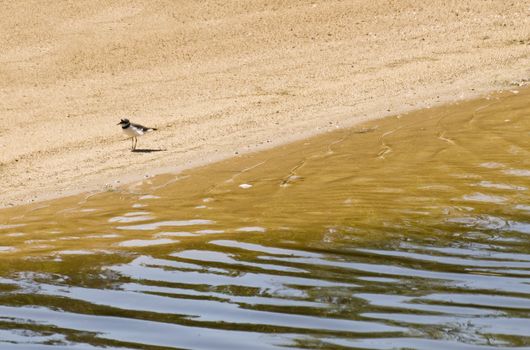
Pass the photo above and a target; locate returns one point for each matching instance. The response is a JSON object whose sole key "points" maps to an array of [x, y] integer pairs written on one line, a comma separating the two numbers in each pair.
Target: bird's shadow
{"points": [[148, 150]]}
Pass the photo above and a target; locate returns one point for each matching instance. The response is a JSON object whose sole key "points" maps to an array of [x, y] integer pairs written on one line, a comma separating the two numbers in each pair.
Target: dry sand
{"points": [[220, 77]]}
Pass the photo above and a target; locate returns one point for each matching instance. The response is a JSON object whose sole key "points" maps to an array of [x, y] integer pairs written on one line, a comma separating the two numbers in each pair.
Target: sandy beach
{"points": [[220, 79]]}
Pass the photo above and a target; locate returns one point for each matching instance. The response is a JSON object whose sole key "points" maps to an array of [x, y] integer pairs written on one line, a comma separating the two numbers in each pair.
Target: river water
{"points": [[409, 232]]}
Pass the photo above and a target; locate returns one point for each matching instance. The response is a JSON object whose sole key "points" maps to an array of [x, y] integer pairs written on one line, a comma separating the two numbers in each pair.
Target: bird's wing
{"points": [[140, 127]]}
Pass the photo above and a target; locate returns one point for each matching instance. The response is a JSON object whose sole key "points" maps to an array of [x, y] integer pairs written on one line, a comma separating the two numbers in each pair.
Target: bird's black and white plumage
{"points": [[134, 130]]}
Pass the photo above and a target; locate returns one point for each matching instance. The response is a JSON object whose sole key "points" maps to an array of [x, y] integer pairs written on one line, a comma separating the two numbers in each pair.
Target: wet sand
{"points": [[220, 79], [422, 167]]}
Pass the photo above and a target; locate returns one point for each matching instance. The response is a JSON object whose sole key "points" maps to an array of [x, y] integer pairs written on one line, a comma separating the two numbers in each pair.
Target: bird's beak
{"points": [[118, 123]]}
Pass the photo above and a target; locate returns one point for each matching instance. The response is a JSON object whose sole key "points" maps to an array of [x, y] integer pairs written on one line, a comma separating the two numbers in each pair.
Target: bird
{"points": [[134, 131]]}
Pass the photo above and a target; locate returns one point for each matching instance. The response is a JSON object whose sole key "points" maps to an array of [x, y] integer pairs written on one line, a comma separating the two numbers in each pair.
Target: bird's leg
{"points": [[132, 143], [135, 142]]}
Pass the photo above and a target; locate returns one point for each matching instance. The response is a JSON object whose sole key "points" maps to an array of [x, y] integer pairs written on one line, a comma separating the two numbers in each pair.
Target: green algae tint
{"points": [[407, 232]]}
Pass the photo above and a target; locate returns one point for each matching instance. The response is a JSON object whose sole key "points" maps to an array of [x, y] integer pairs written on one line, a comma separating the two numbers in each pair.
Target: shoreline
{"points": [[128, 180], [217, 79]]}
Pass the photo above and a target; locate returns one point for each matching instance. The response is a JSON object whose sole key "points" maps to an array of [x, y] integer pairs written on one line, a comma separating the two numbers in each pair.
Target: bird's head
{"points": [[123, 122]]}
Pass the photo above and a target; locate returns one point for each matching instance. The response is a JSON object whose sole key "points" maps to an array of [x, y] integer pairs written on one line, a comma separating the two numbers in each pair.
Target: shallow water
{"points": [[408, 232]]}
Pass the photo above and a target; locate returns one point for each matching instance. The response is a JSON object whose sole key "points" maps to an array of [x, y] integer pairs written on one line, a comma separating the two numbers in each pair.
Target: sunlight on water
{"points": [[409, 232]]}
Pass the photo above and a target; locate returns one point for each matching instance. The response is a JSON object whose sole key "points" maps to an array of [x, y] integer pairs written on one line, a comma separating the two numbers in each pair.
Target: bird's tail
{"points": [[152, 129]]}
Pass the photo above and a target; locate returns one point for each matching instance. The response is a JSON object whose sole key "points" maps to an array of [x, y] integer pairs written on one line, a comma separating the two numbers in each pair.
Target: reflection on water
{"points": [[409, 232]]}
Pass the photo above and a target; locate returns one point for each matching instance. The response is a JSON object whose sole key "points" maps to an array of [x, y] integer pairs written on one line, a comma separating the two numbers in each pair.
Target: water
{"points": [[409, 232]]}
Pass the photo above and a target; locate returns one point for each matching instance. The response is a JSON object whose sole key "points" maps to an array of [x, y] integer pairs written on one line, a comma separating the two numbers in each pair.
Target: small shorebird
{"points": [[133, 130]]}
